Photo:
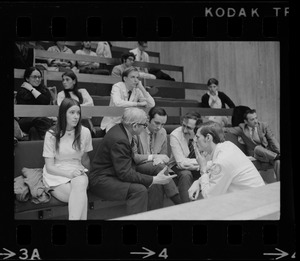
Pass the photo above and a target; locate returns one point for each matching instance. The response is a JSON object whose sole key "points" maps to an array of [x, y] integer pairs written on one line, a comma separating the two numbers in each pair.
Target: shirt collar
{"points": [[129, 135]]}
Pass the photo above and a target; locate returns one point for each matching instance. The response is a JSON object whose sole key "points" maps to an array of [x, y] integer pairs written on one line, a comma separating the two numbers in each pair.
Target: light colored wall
{"points": [[248, 72]]}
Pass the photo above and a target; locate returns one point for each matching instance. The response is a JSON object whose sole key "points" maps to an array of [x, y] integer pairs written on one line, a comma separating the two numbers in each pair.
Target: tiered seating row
{"points": [[91, 111], [115, 50], [41, 54]]}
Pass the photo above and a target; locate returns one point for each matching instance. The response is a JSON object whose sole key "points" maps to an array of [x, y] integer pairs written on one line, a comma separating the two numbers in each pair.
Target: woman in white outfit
{"points": [[66, 159]]}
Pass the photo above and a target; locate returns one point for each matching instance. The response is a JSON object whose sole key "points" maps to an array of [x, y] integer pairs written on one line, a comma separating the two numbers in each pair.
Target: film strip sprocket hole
{"points": [[164, 27], [170, 239]]}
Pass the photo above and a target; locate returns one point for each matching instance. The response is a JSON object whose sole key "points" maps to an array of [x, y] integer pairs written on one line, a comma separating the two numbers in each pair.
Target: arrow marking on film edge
{"points": [[281, 254], [9, 253], [149, 252]]}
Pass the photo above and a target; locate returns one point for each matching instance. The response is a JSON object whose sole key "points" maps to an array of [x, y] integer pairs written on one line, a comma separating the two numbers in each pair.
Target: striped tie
{"points": [[192, 151], [150, 142]]}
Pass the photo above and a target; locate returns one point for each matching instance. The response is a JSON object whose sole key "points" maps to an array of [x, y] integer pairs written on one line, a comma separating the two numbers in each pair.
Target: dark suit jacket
{"points": [[265, 134], [223, 97], [113, 162]]}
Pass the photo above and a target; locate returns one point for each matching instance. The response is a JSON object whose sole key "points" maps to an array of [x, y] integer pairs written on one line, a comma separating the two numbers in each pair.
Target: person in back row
{"points": [[142, 56], [113, 175], [128, 93], [228, 169], [127, 60], [88, 67], [61, 64]]}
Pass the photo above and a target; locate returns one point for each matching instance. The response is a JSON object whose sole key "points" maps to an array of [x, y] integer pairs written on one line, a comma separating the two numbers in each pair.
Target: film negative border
{"points": [[193, 21]]}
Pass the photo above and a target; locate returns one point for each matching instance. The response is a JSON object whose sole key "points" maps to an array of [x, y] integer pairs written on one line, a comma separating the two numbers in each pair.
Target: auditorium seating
{"points": [[55, 208]]}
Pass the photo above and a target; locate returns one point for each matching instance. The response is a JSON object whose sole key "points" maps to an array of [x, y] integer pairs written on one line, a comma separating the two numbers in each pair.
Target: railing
{"points": [[104, 79], [262, 203], [41, 54], [115, 49], [99, 111]]}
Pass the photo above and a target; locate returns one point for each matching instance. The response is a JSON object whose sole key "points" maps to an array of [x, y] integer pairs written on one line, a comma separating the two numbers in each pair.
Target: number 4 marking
{"points": [[163, 253]]}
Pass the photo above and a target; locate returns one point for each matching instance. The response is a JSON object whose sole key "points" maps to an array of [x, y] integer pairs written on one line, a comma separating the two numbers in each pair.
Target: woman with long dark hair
{"points": [[71, 90], [66, 160], [34, 92]]}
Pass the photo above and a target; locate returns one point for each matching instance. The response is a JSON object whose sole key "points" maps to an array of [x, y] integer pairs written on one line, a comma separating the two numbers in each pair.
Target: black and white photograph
{"points": [[158, 130], [147, 130]]}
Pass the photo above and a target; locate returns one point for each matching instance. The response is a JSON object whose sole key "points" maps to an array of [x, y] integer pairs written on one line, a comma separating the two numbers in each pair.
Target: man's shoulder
{"points": [[79, 51], [176, 132], [119, 85], [116, 133], [133, 50], [162, 132]]}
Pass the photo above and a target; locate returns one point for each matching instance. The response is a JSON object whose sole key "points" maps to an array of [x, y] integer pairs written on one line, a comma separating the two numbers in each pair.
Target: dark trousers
{"points": [[147, 168], [138, 198], [35, 127], [184, 180], [94, 71]]}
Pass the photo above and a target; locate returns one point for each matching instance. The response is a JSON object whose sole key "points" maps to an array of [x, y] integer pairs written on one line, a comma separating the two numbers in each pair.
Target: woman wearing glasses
{"points": [[33, 92]]}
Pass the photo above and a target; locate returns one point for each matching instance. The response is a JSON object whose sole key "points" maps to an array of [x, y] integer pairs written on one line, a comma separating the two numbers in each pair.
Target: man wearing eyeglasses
{"points": [[142, 56], [183, 161], [127, 61], [113, 174], [151, 149]]}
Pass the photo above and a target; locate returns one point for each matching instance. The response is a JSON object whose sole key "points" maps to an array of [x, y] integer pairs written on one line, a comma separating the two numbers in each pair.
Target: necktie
{"points": [[129, 94], [150, 142], [254, 136], [192, 152]]}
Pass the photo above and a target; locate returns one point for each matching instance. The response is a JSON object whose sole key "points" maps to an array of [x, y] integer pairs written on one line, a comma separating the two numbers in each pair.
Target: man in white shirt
{"points": [[183, 161], [142, 56], [62, 64], [127, 61], [87, 67], [225, 168], [128, 93]]}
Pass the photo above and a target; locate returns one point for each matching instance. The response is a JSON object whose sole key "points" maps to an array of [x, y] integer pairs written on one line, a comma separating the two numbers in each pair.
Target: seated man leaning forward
{"points": [[228, 170], [183, 161], [151, 149], [113, 175]]}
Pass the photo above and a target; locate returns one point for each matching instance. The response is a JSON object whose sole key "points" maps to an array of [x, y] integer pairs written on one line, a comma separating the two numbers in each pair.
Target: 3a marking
{"points": [[35, 254]]}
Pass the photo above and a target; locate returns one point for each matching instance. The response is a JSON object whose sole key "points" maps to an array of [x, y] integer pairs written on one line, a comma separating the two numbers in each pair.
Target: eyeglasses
{"points": [[188, 127], [131, 59], [36, 77], [143, 124]]}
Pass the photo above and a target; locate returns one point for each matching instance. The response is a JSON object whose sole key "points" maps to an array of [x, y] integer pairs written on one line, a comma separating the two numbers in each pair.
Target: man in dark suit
{"points": [[259, 140], [113, 175]]}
